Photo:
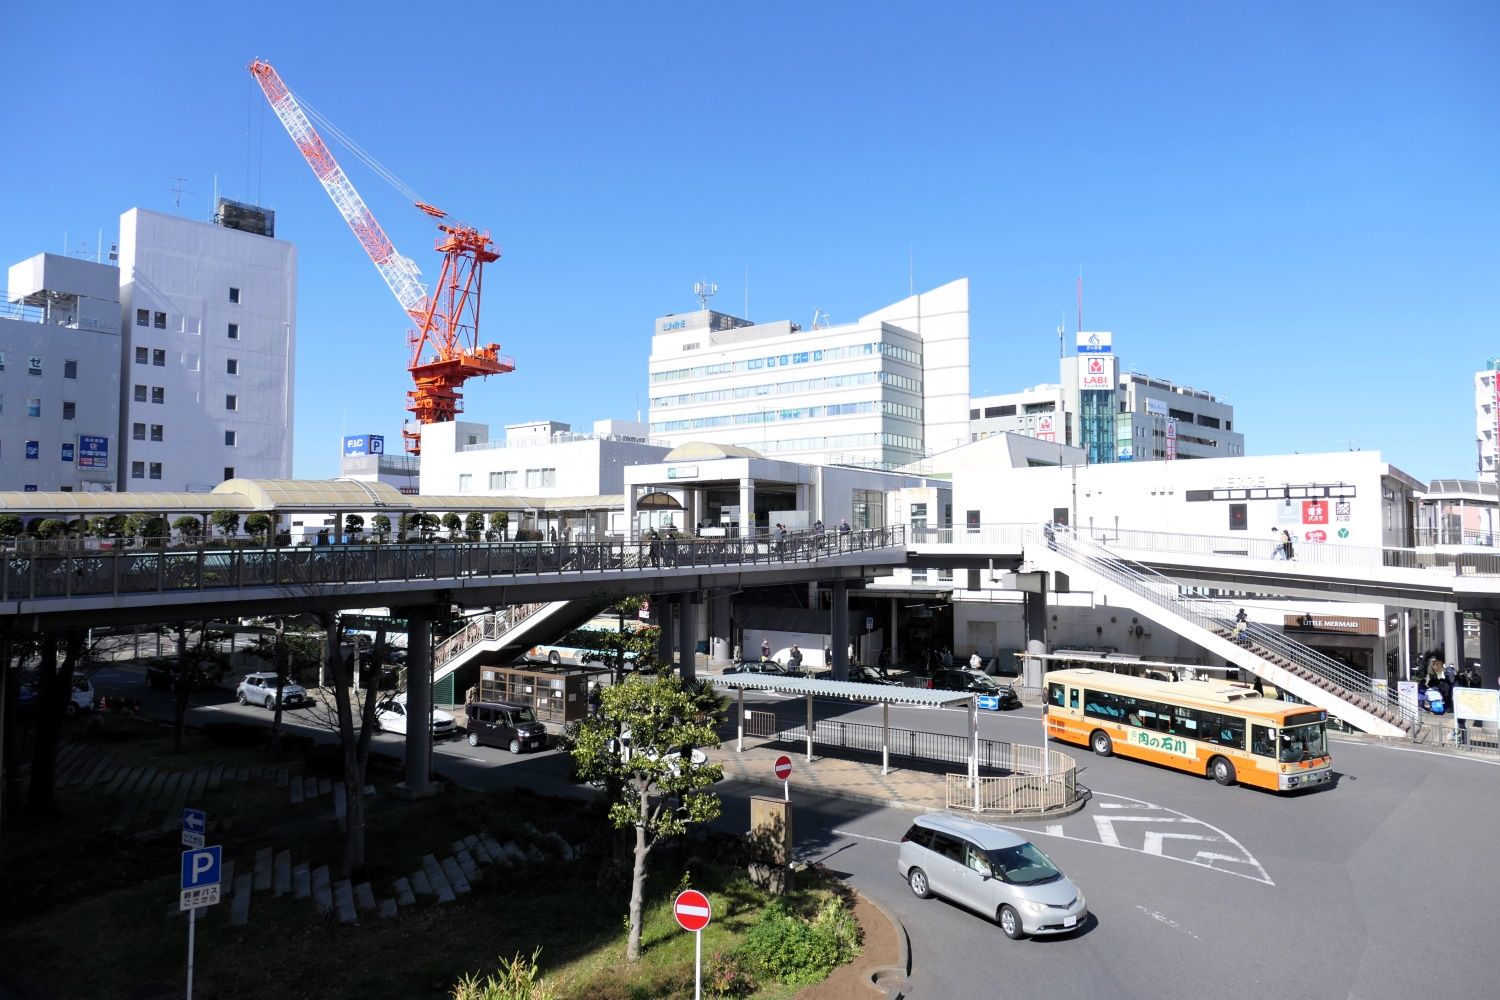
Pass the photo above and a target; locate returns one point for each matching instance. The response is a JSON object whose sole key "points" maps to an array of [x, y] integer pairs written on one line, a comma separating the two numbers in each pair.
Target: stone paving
{"points": [[859, 780]]}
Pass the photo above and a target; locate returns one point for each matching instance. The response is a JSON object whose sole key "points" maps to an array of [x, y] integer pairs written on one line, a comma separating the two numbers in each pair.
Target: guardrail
{"points": [[29, 576], [1017, 794]]}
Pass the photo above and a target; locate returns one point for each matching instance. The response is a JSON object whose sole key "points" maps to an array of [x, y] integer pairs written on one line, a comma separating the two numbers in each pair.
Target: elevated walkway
{"points": [[1305, 673]]}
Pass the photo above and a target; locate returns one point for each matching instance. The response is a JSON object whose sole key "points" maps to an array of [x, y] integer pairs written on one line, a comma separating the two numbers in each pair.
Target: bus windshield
{"points": [[1300, 743]]}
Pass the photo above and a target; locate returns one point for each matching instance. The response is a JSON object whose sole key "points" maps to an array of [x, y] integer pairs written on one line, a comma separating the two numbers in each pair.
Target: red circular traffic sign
{"points": [[692, 910], [783, 767]]}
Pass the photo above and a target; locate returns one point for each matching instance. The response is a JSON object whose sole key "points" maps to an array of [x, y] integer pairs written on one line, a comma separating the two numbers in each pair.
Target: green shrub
{"points": [[728, 976], [800, 952], [518, 979]]}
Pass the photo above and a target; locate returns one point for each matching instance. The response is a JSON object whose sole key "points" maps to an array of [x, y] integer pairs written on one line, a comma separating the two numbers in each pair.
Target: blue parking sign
{"points": [[200, 878]]}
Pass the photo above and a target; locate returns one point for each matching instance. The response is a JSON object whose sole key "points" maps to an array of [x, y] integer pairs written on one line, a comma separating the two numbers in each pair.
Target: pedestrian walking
{"points": [[765, 648], [976, 662], [884, 662], [1461, 678], [794, 659], [653, 546], [780, 541], [1050, 534], [1286, 545], [844, 530]]}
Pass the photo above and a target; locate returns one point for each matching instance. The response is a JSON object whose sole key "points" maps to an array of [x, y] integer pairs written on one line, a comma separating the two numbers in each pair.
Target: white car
{"points": [[82, 697], [260, 689], [390, 717]]}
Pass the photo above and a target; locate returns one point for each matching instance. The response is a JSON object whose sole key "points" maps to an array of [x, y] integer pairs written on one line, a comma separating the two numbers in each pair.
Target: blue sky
{"points": [[1290, 205]]}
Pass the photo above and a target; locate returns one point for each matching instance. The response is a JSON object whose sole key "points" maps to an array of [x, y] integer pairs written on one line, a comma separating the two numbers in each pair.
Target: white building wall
{"points": [[59, 375], [1486, 415], [537, 468], [186, 270], [940, 318]]}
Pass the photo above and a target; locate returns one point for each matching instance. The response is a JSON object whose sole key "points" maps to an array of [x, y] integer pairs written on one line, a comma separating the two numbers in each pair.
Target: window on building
{"points": [[1239, 518], [234, 331], [234, 295], [973, 414], [991, 411], [137, 470], [155, 470], [70, 410], [143, 317], [540, 478], [142, 356], [138, 432], [465, 483], [159, 320], [231, 402], [232, 366], [33, 407], [156, 432], [159, 358], [158, 394], [502, 480], [231, 439], [140, 394], [228, 472], [70, 369]]}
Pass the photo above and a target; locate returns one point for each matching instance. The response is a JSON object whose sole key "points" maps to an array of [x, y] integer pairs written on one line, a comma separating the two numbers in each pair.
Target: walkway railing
{"points": [[997, 755], [487, 626], [30, 576], [1214, 616], [1017, 794]]}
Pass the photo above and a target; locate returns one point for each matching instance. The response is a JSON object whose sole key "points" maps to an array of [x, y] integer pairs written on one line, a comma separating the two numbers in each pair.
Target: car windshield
{"points": [[982, 682], [1300, 743], [1024, 864], [523, 715]]}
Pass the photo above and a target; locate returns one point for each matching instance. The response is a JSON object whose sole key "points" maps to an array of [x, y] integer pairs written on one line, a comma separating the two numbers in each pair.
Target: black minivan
{"points": [[501, 724]]}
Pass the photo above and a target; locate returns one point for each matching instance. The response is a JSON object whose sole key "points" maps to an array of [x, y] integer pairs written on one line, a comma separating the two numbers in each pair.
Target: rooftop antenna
{"points": [[747, 291], [821, 320], [1060, 339], [178, 191], [705, 290], [911, 272]]}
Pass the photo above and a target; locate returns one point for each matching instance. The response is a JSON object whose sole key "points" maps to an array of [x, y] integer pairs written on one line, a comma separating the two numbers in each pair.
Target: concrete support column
{"points": [[1489, 648], [1034, 611], [630, 526], [661, 607], [687, 637], [1406, 644], [839, 613], [1453, 638], [418, 782], [747, 508], [895, 637], [338, 528], [719, 645]]}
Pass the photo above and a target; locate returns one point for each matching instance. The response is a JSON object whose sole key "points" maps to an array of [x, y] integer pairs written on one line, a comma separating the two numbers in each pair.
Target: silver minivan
{"points": [[991, 871]]}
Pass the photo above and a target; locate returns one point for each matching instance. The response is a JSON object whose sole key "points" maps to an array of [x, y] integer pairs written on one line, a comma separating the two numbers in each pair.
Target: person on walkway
{"points": [[976, 662], [765, 649], [1461, 679], [794, 659], [780, 541], [884, 662], [1286, 545], [1050, 534], [844, 530], [654, 548], [1469, 677], [1447, 673]]}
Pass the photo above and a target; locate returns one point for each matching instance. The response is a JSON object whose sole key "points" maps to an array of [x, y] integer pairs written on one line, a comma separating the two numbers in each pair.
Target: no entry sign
{"points": [[783, 767], [691, 910]]}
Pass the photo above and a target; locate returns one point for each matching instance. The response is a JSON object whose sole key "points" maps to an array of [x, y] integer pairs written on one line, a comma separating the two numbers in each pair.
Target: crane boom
{"points": [[445, 345], [400, 273]]}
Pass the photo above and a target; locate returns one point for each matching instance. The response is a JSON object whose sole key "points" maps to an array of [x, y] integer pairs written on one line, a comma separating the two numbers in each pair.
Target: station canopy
{"points": [[891, 694]]}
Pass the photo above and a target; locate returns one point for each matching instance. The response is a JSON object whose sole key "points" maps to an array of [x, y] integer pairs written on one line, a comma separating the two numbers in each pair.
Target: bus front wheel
{"points": [[1222, 771], [1102, 744]]}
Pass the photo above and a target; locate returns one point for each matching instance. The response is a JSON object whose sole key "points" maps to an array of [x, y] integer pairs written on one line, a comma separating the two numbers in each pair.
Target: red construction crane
{"points": [[445, 344]]}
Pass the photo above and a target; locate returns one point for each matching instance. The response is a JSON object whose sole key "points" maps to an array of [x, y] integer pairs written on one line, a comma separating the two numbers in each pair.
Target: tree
{"points": [[354, 524], [473, 524], [54, 691], [259, 526], [381, 525], [78, 527], [500, 524], [354, 732], [49, 528], [649, 777], [106, 527], [143, 526], [199, 664], [10, 525], [409, 521], [452, 524], [289, 654], [226, 521], [189, 528]]}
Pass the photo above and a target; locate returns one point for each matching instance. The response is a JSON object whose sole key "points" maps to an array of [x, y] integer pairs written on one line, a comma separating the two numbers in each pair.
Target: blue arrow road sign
{"points": [[200, 867], [194, 822]]}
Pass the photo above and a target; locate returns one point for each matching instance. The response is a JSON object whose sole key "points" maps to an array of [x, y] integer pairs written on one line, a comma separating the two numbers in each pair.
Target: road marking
{"points": [[865, 836], [1106, 832], [1154, 840], [1428, 753], [1163, 919]]}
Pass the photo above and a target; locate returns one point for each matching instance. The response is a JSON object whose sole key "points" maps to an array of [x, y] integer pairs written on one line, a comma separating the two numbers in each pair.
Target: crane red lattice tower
{"points": [[445, 344]]}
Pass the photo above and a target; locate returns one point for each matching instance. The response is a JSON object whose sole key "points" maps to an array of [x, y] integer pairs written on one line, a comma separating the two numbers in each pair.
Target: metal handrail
{"points": [[1210, 615], [491, 625], [27, 576]]}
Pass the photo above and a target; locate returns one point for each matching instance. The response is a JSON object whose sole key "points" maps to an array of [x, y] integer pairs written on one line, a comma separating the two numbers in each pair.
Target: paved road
{"points": [[1381, 886]]}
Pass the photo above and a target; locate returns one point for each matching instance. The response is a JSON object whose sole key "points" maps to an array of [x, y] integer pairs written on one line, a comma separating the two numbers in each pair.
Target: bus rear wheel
{"points": [[1221, 770], [1102, 744]]}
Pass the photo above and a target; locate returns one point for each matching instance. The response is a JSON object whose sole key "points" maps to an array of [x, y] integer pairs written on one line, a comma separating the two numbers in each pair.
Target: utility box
{"points": [[771, 843]]}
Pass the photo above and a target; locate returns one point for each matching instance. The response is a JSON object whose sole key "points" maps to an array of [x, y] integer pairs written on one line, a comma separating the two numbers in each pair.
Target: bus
{"points": [[1215, 728]]}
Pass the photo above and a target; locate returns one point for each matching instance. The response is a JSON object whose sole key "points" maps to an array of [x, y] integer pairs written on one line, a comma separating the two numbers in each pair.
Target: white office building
{"points": [[879, 392], [60, 376], [1487, 417], [542, 459], [209, 324]]}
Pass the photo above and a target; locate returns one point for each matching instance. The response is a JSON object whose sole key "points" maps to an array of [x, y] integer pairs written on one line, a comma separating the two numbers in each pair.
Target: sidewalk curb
{"points": [[892, 980]]}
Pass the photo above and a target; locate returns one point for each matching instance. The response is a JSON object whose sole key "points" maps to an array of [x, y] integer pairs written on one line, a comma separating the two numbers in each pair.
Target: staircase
{"points": [[487, 633], [1309, 675]]}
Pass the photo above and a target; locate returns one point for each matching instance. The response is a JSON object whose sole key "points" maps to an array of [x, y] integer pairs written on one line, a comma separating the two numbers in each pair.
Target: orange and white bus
{"points": [[1215, 728]]}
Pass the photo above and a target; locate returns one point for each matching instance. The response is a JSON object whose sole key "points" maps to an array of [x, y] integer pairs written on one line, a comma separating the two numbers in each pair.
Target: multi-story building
{"points": [[365, 460], [1114, 416], [880, 392], [1487, 417], [209, 324], [60, 376]]}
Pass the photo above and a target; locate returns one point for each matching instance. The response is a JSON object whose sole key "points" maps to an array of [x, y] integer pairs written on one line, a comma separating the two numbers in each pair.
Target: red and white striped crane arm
{"points": [[400, 273]]}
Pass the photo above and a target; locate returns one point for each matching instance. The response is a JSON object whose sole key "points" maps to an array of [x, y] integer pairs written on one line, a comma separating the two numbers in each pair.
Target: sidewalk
{"points": [[858, 780]]}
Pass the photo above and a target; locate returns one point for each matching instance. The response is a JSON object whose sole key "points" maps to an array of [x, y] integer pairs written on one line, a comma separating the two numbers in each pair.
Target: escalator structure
{"points": [[1305, 673], [506, 632]]}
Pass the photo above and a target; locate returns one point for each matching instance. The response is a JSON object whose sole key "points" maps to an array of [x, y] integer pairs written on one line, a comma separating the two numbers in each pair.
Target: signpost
{"points": [[693, 914], [784, 772], [194, 823], [199, 887]]}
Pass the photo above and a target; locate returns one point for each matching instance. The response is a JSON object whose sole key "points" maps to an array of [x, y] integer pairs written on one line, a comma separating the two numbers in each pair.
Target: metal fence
{"points": [[1017, 794], [27, 576], [996, 755]]}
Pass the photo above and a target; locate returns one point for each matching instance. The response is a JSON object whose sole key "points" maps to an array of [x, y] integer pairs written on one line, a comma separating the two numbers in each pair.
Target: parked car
{"points": [[993, 694], [82, 699], [260, 689], [501, 724], [860, 674], [991, 871], [768, 667], [390, 717]]}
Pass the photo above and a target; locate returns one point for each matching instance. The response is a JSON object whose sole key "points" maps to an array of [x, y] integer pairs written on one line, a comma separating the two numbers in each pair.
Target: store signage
{"points": [[1314, 512], [1157, 407], [364, 444], [1333, 623], [682, 472], [1095, 372], [93, 452], [1172, 439], [1316, 535], [1095, 343]]}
